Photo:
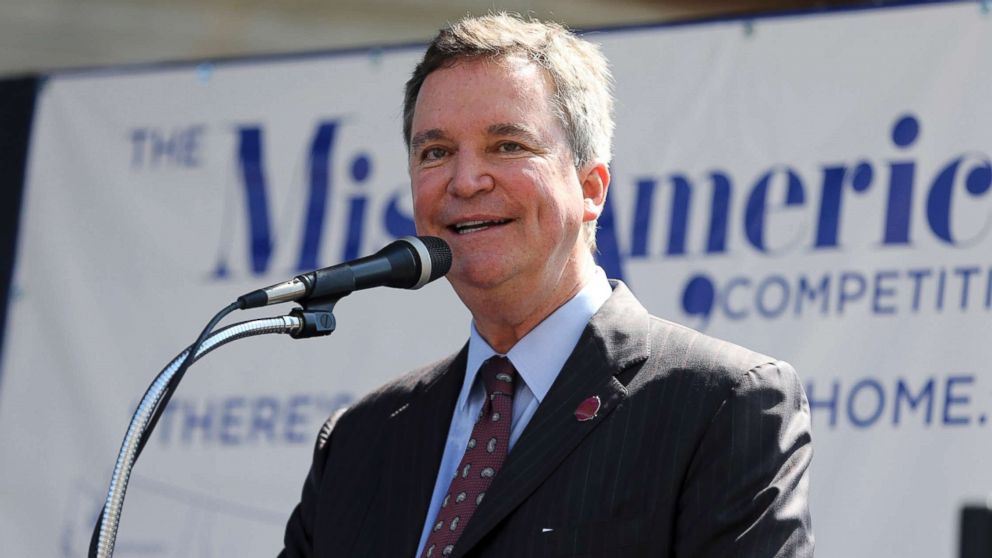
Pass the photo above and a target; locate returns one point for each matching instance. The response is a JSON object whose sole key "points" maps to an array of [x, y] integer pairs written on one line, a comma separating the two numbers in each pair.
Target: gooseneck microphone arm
{"points": [[409, 263], [106, 534]]}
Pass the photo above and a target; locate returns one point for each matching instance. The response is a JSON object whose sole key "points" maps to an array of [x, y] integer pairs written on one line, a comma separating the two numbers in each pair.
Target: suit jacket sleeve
{"points": [[298, 540], [746, 489]]}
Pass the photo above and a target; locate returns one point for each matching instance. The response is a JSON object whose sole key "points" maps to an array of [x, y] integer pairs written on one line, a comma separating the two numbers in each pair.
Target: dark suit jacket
{"points": [[701, 448]]}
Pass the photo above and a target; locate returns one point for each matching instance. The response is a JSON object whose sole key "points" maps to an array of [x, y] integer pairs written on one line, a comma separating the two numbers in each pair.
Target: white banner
{"points": [[815, 187]]}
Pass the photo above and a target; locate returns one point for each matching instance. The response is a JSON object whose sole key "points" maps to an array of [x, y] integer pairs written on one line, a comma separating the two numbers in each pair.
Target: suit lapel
{"points": [[615, 339], [417, 431]]}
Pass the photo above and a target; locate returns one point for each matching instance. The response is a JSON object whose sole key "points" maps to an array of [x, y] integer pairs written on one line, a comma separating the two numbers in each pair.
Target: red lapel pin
{"points": [[587, 409]]}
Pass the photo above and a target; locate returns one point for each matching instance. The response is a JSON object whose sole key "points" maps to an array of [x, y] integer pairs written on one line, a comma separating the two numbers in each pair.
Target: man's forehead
{"points": [[509, 99], [522, 74]]}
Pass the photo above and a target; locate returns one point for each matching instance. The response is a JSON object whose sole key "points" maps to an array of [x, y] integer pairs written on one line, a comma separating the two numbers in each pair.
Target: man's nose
{"points": [[472, 176]]}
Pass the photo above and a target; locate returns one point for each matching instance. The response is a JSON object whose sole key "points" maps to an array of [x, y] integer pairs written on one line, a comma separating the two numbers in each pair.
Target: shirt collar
{"points": [[540, 355]]}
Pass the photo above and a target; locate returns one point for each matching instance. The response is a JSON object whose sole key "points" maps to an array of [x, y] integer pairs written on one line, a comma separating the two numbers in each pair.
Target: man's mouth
{"points": [[475, 226]]}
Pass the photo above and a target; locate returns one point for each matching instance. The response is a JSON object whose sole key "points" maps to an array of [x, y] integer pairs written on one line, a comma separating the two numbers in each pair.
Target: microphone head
{"points": [[434, 255], [440, 256]]}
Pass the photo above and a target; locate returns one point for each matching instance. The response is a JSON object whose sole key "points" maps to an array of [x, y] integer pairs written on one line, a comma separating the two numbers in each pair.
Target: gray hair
{"points": [[583, 86]]}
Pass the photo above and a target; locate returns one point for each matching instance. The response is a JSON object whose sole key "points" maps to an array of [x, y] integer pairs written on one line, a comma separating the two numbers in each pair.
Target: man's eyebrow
{"points": [[514, 130], [420, 138]]}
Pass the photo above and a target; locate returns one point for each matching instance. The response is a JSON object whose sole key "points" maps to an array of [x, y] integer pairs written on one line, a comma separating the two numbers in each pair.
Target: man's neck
{"points": [[505, 315]]}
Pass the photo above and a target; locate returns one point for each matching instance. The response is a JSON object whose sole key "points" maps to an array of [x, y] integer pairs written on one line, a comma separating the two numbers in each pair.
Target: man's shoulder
{"points": [[683, 350], [629, 333]]}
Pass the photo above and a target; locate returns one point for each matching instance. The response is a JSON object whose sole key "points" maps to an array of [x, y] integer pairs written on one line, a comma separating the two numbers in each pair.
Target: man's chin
{"points": [[477, 277]]}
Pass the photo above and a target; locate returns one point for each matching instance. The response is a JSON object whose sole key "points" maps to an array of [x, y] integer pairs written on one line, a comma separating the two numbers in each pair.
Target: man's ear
{"points": [[595, 177]]}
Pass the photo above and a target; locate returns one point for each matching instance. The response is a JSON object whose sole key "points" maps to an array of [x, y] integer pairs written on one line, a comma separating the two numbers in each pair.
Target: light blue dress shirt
{"points": [[538, 358]]}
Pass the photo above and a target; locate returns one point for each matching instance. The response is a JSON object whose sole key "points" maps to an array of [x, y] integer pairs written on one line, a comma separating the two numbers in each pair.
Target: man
{"points": [[627, 435]]}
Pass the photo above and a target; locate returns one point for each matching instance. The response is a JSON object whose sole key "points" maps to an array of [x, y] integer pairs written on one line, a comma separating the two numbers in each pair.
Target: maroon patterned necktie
{"points": [[483, 458]]}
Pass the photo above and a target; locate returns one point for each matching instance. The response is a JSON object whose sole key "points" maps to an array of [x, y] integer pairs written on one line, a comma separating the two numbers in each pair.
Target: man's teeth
{"points": [[472, 226]]}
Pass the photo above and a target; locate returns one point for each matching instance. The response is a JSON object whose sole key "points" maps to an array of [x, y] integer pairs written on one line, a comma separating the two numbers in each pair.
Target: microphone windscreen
{"points": [[440, 256]]}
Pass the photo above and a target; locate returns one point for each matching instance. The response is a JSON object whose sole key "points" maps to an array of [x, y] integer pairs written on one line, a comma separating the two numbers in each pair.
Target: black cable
{"points": [[160, 407], [178, 376]]}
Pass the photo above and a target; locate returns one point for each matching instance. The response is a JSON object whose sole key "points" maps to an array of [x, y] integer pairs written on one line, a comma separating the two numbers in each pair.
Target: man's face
{"points": [[492, 174]]}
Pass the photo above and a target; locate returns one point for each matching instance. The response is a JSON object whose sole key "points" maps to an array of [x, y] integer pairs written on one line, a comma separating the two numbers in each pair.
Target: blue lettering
{"points": [[263, 419], [163, 146], [878, 403], [917, 275], [679, 220], [846, 293], [356, 219], [396, 222], [237, 420], [952, 400], [296, 418], [679, 216], [716, 240], [904, 394], [138, 137], [725, 299], [882, 292], [230, 421], [912, 402], [698, 297], [320, 193], [899, 206], [178, 147], [965, 274], [165, 422], [252, 167], [778, 197], [361, 167], [805, 291], [988, 290], [829, 404], [190, 154], [830, 200], [941, 280], [941, 194], [256, 201], [758, 207], [192, 422], [642, 217], [772, 310]]}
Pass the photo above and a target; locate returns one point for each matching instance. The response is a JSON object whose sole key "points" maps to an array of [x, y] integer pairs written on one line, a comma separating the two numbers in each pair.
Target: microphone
{"points": [[408, 263]]}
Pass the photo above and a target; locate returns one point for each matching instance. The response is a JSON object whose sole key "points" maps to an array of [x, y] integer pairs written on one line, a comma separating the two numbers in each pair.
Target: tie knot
{"points": [[497, 375]]}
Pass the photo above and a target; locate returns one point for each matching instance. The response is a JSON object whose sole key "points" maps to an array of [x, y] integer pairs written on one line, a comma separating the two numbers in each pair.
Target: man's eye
{"points": [[510, 147], [434, 153]]}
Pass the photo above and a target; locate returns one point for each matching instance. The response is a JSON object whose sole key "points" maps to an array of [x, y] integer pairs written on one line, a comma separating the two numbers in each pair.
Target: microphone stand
{"points": [[410, 262], [314, 318]]}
